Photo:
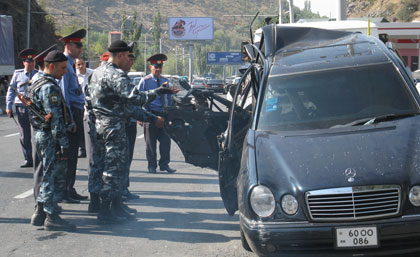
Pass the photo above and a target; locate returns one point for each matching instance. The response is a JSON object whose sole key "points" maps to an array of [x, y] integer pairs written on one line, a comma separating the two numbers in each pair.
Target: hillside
{"points": [[392, 10], [107, 14]]}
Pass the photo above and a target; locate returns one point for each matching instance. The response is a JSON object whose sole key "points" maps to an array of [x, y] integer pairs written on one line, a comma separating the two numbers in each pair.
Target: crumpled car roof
{"points": [[303, 49]]}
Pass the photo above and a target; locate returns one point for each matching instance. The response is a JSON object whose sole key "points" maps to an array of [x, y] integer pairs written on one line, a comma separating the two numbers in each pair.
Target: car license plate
{"points": [[357, 237]]}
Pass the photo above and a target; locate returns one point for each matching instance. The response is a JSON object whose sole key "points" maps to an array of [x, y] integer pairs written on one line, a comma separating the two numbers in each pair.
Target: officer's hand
{"points": [[74, 128], [9, 113], [174, 90], [140, 123], [159, 122]]}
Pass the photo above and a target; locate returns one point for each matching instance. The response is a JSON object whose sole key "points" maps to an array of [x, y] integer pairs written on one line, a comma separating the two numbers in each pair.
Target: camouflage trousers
{"points": [[54, 171], [94, 153], [112, 142]]}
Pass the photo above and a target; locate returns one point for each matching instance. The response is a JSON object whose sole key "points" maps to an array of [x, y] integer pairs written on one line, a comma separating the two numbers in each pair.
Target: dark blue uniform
{"points": [[152, 134], [20, 82]]}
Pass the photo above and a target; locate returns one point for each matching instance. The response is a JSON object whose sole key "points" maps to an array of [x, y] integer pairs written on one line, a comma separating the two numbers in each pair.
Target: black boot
{"points": [[128, 209], [117, 209], [56, 223], [39, 215], [95, 203], [106, 216]]}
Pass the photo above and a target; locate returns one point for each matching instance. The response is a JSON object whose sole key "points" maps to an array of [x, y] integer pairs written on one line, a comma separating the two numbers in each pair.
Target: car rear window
{"points": [[323, 99], [215, 81]]}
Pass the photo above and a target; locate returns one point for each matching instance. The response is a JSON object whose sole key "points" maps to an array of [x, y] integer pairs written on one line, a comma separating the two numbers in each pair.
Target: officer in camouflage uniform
{"points": [[113, 98], [96, 159], [51, 140]]}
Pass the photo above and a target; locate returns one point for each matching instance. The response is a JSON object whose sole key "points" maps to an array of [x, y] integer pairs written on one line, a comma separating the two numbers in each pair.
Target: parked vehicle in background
{"points": [[136, 80], [199, 83], [217, 85], [7, 59], [134, 74]]}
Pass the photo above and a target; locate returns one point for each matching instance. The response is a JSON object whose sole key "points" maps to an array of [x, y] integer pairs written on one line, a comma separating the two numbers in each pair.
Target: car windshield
{"points": [[324, 99]]}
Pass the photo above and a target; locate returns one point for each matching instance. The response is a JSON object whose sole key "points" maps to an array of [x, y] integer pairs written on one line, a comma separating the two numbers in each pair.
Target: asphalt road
{"points": [[179, 214]]}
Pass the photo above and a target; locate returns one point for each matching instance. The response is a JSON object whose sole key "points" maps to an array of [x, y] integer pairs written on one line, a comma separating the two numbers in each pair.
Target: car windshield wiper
{"points": [[377, 119]]}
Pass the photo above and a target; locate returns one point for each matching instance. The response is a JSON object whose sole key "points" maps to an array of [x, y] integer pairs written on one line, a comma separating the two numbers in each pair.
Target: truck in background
{"points": [[7, 60]]}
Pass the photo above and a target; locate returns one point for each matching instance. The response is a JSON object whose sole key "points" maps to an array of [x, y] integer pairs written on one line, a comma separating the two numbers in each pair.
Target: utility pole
{"points": [[145, 53], [28, 25], [176, 60], [280, 11], [291, 14], [87, 35], [183, 61], [191, 68]]}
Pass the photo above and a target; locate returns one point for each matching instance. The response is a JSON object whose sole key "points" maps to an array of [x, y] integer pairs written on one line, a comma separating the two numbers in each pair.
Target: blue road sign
{"points": [[224, 58]]}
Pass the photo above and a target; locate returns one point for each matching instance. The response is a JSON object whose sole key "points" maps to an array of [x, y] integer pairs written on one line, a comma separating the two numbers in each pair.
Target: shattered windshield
{"points": [[324, 99]]}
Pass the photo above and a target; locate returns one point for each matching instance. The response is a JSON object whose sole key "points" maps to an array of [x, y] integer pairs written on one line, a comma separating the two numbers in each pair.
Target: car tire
{"points": [[245, 244]]}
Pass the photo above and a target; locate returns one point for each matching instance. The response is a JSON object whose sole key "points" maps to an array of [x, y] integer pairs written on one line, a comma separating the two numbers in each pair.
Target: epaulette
{"points": [[19, 70], [147, 77]]}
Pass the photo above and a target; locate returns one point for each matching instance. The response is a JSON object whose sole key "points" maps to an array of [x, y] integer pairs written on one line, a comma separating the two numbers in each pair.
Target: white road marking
{"points": [[141, 136], [11, 135], [25, 194]]}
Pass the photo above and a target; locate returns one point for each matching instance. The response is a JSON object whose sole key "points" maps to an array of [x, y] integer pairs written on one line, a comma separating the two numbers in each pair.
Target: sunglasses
{"points": [[158, 65]]}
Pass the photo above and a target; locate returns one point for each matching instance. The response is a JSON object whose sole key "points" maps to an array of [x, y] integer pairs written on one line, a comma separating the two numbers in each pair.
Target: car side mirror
{"points": [[247, 52]]}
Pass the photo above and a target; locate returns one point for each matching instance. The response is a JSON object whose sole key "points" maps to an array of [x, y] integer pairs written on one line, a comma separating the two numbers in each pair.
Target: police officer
{"points": [[51, 140], [93, 150], [38, 166], [112, 98], [151, 132], [19, 82], [131, 130], [75, 101]]}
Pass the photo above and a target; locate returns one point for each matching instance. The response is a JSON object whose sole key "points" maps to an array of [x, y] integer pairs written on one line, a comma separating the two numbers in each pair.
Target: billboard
{"points": [[223, 58], [113, 36], [191, 28]]}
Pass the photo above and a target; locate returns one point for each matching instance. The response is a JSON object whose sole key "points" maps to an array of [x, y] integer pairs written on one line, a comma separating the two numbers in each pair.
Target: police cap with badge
{"points": [[75, 37], [27, 55], [157, 60]]}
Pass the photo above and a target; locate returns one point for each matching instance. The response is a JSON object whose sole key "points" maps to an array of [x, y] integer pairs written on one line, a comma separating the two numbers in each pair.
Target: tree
{"points": [[156, 32], [132, 34]]}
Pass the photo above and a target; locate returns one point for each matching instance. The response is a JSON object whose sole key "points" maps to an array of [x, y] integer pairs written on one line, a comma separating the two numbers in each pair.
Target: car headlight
{"points": [[289, 204], [414, 195], [262, 201]]}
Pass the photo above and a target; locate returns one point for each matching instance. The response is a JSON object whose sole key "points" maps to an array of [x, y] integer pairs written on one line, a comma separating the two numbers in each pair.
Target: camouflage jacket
{"points": [[111, 93], [46, 94]]}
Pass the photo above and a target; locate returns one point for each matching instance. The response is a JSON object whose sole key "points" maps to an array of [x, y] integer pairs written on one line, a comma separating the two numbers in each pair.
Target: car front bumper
{"points": [[396, 236]]}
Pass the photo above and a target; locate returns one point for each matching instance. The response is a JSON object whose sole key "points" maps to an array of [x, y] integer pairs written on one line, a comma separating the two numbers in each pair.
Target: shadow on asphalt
{"points": [[169, 226], [17, 174]]}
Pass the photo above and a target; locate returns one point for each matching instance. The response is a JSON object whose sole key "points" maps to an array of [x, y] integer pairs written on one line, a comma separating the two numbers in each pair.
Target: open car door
{"points": [[195, 121], [231, 149]]}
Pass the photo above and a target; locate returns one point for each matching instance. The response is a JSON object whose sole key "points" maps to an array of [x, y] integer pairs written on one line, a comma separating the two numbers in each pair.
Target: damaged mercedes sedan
{"points": [[319, 149]]}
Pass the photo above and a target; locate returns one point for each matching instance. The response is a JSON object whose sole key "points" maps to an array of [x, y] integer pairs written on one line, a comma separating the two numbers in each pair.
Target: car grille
{"points": [[354, 203]]}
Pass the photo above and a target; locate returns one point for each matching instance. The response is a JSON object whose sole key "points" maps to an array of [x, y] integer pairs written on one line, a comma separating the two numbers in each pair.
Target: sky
{"points": [[324, 7]]}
